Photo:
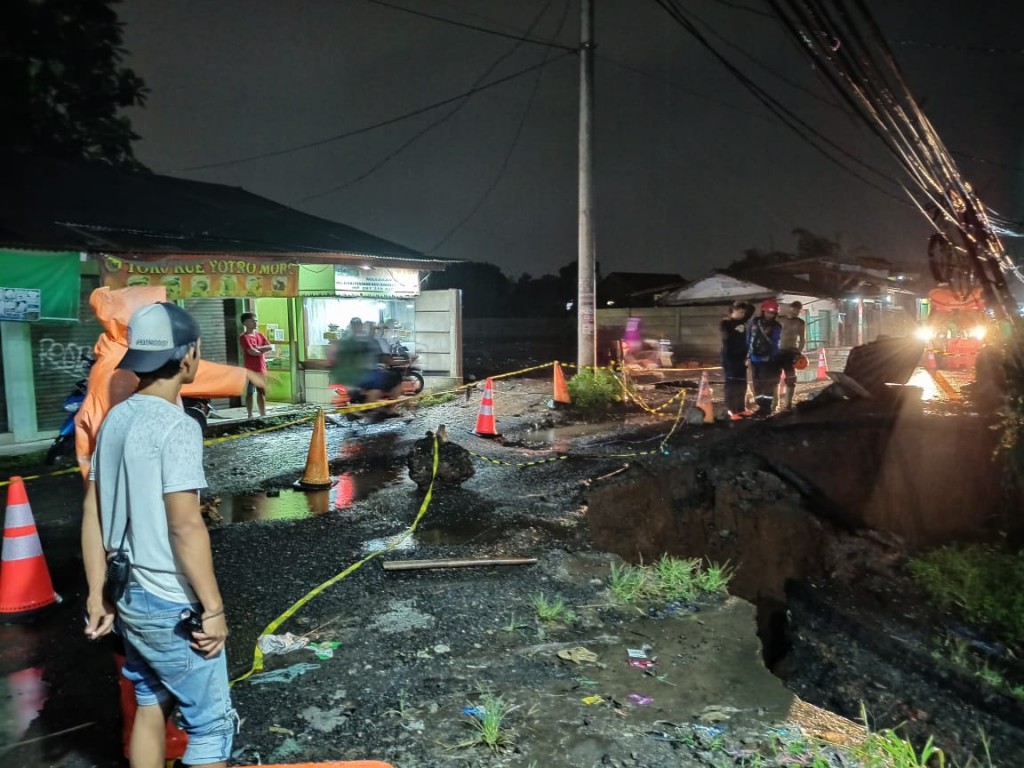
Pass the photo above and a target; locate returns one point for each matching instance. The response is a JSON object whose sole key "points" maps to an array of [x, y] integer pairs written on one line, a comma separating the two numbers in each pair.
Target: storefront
{"points": [[302, 309], [42, 338]]}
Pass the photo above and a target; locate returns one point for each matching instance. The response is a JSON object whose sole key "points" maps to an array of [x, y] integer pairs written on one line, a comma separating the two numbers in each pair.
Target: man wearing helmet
{"points": [[763, 339]]}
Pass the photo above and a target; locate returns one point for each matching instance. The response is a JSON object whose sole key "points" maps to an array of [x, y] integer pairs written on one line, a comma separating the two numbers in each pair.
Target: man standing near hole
{"points": [[791, 346], [143, 500]]}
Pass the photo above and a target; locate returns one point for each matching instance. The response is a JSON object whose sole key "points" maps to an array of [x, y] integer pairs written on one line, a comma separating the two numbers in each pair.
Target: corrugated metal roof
{"points": [[53, 203]]}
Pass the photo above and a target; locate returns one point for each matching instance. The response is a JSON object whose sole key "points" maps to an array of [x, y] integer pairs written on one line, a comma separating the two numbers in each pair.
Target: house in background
{"points": [[635, 289], [68, 227]]}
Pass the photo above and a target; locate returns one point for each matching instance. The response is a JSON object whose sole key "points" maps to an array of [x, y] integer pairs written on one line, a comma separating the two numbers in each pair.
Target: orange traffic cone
{"points": [[561, 389], [704, 399], [25, 585], [822, 373], [175, 739], [317, 475], [485, 424]]}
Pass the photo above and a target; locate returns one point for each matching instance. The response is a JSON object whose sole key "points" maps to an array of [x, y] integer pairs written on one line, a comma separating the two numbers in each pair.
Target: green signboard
{"points": [[39, 286]]}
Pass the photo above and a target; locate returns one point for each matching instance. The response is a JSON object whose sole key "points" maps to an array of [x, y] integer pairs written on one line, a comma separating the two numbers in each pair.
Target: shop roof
{"points": [[66, 204]]}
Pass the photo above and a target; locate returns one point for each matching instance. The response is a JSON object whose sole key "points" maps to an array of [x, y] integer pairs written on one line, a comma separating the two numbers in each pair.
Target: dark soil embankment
{"points": [[819, 516]]}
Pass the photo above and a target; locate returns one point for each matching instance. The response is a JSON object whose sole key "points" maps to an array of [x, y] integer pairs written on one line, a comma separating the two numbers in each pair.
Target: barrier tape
{"points": [[26, 478], [520, 464], [239, 436], [257, 658]]}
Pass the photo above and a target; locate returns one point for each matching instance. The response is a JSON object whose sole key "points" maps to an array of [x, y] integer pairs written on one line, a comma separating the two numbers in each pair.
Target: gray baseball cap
{"points": [[157, 334]]}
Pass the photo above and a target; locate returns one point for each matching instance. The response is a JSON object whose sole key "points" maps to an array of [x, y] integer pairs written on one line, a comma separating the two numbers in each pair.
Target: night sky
{"points": [[690, 169]]}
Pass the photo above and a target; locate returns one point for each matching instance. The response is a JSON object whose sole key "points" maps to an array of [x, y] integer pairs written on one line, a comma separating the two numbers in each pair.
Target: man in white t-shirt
{"points": [[146, 474]]}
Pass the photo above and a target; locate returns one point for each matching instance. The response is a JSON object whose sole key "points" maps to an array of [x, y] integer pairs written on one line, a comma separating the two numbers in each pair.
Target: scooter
{"points": [[64, 444]]}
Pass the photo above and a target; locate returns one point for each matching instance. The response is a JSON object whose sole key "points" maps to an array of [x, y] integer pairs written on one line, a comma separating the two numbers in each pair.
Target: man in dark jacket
{"points": [[763, 351], [734, 357]]}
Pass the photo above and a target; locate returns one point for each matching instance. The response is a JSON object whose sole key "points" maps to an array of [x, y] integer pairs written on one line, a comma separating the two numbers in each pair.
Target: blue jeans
{"points": [[164, 667]]}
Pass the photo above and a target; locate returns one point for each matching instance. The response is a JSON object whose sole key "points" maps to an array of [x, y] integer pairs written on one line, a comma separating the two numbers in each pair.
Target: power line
{"points": [[508, 155], [965, 48], [443, 119], [374, 126], [485, 30]]}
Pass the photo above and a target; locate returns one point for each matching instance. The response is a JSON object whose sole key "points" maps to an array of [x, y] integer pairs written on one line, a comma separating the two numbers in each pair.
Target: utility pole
{"points": [[586, 337]]}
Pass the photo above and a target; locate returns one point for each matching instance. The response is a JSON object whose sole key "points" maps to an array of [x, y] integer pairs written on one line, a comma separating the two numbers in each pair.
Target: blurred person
{"points": [[109, 385], [791, 346], [734, 358], [763, 337], [255, 347], [351, 359], [146, 474]]}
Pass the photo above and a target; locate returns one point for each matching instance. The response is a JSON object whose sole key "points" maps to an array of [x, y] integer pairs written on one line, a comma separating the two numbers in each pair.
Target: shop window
{"points": [[327, 318]]}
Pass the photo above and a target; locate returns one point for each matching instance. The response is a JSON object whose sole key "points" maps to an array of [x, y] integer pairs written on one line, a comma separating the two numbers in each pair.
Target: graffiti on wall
{"points": [[64, 356]]}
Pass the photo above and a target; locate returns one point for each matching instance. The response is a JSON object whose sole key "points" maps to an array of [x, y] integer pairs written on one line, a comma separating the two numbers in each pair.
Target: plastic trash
{"points": [[324, 650], [284, 675], [636, 653], [278, 645], [477, 712], [640, 700], [641, 663], [590, 700]]}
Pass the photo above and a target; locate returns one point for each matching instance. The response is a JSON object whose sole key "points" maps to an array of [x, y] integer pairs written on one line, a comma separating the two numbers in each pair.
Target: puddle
{"points": [[296, 505], [451, 533], [559, 438], [24, 694]]}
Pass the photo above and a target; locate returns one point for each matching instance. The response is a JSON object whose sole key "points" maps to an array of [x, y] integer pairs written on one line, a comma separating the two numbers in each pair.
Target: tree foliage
{"points": [[62, 82]]}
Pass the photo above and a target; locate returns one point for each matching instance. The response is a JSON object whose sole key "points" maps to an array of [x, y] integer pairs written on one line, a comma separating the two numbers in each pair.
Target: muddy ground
{"points": [[818, 599]]}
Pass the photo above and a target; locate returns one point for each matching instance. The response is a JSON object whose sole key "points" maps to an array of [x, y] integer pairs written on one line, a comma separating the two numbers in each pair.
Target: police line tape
{"points": [[257, 658], [360, 407]]}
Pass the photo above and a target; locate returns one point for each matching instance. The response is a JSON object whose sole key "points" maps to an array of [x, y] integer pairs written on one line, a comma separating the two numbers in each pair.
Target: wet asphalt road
{"points": [[60, 692]]}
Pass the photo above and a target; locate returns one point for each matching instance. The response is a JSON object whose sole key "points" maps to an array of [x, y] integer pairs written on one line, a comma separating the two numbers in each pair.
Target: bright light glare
{"points": [[924, 333], [978, 332]]}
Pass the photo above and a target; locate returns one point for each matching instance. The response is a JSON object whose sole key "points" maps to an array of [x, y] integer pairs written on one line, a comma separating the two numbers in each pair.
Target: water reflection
{"points": [[290, 504], [23, 698]]}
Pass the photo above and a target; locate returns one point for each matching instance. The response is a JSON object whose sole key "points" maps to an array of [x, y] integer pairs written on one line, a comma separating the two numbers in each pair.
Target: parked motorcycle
{"points": [[199, 409], [64, 444]]}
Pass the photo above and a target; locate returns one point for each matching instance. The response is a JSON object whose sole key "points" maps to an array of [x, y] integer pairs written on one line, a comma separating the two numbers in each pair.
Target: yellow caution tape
{"points": [[26, 478], [239, 436], [257, 657]]}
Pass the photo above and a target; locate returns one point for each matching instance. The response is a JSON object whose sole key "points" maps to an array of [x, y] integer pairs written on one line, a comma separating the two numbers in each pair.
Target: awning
{"points": [[39, 286]]}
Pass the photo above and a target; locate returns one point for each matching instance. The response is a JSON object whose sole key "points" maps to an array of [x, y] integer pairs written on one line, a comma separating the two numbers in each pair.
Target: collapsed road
{"points": [[816, 512]]}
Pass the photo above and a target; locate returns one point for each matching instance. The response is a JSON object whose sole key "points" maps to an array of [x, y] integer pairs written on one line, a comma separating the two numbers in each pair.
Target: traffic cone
{"points": [[561, 389], [317, 475], [929, 362], [175, 739], [822, 373], [25, 585], [704, 399], [485, 424]]}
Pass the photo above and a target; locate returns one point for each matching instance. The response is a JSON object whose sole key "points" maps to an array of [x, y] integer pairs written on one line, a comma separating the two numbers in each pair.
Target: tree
{"points": [[485, 288], [62, 83]]}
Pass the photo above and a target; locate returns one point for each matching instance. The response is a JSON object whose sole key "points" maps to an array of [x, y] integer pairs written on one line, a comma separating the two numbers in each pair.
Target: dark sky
{"points": [[690, 169]]}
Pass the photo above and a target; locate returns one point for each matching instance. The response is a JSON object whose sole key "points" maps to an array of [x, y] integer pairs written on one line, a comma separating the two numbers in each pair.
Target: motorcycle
{"points": [[199, 409], [64, 444], [405, 365]]}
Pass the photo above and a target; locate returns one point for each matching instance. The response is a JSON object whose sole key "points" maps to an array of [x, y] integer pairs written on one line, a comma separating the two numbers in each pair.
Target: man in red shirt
{"points": [[254, 349]]}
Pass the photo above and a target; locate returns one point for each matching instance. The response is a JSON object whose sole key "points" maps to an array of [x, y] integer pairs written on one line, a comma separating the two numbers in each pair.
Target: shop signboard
{"points": [[376, 282], [204, 276]]}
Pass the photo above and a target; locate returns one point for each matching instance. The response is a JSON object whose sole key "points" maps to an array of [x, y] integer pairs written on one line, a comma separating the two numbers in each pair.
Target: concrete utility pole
{"points": [[586, 337]]}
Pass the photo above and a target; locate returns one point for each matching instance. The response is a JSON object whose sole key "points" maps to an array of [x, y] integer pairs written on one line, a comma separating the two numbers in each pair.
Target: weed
{"points": [[1017, 691], [594, 389], [669, 579], [552, 610], [489, 725], [715, 578], [985, 584], [513, 625], [991, 676]]}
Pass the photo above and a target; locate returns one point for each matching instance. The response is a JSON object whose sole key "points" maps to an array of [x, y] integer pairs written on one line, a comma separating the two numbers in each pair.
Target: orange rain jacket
{"points": [[108, 385]]}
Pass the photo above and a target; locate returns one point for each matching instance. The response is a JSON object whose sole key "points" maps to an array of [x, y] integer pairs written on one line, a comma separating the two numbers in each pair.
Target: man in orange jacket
{"points": [[109, 385]]}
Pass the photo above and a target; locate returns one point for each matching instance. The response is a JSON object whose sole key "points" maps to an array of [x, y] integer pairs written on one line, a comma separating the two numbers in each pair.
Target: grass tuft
{"points": [[489, 727], [554, 609], [670, 578], [593, 389], [982, 583]]}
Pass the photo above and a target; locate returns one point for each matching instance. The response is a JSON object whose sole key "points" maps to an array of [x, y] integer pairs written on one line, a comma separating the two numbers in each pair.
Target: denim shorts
{"points": [[163, 667]]}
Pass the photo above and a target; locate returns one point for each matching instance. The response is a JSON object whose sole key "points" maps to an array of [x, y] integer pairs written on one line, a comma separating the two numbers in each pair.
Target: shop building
{"points": [[67, 228]]}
